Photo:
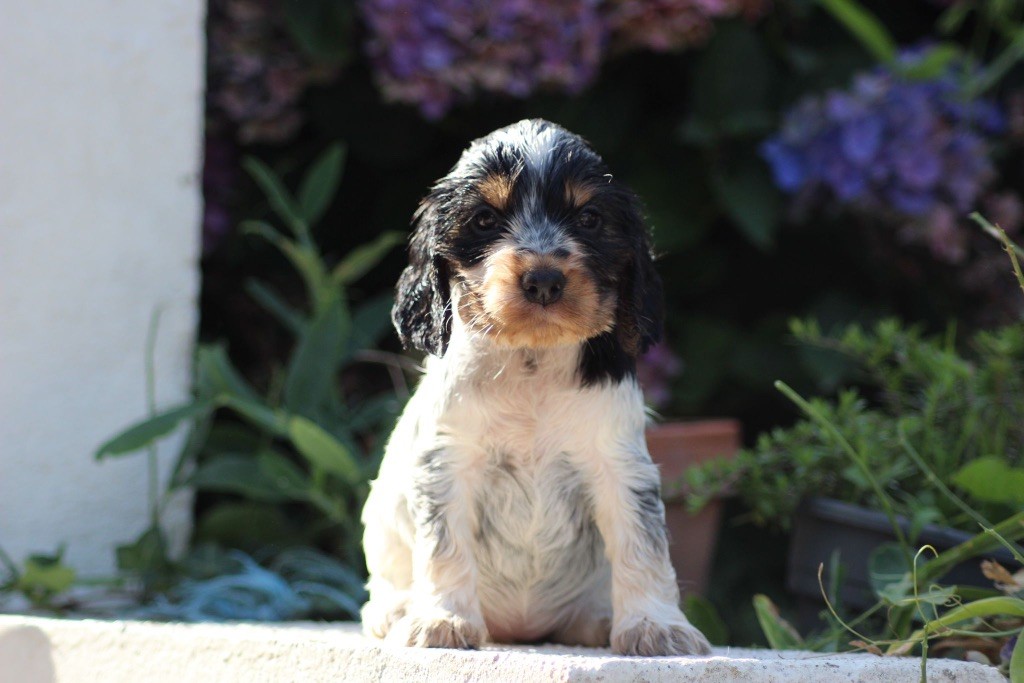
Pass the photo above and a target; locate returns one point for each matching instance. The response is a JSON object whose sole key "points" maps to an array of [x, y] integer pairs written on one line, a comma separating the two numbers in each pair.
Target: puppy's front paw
{"points": [[379, 615], [437, 628], [648, 638]]}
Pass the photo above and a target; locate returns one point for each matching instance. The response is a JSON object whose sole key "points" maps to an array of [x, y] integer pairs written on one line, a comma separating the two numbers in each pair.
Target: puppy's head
{"points": [[539, 244]]}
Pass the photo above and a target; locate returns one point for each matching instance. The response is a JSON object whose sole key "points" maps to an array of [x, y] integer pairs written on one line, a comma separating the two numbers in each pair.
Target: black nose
{"points": [[543, 286]]}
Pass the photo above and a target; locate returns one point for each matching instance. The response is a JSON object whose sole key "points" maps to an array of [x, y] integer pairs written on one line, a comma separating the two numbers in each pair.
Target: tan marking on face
{"points": [[494, 303], [578, 193], [496, 189]]}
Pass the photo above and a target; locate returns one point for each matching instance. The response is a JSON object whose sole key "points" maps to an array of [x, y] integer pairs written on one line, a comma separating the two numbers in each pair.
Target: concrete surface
{"points": [[100, 142], [36, 650]]}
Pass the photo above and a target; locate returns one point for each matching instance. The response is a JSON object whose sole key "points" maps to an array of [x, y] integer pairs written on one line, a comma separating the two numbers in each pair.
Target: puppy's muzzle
{"points": [[543, 286]]}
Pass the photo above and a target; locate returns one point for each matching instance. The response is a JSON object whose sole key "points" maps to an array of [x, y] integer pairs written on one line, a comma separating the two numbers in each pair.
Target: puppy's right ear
{"points": [[422, 312]]}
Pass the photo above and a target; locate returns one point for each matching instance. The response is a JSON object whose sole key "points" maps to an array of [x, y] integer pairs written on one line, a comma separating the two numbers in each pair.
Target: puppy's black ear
{"points": [[640, 315], [422, 310]]}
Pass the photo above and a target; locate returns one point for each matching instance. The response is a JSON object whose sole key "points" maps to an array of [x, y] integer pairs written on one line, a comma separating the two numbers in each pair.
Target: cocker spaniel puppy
{"points": [[516, 501]]}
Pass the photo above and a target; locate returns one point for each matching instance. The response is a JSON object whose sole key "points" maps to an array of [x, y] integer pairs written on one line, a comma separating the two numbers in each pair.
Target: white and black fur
{"points": [[516, 501]]}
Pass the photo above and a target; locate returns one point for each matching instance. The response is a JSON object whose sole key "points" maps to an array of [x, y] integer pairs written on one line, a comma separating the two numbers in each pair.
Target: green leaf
{"points": [[246, 525], [258, 414], [889, 574], [312, 366], [749, 197], [705, 617], [326, 601], [207, 561], [284, 474], [936, 595], [953, 18], [260, 478], [935, 61], [280, 199], [998, 67], [146, 556], [986, 607], [216, 375], [321, 29], [266, 231], [371, 412], [777, 631], [1004, 606], [321, 183], [361, 259], [1017, 660], [990, 479], [1010, 529], [44, 577], [272, 303], [892, 579], [232, 437], [309, 564], [323, 450], [864, 26], [369, 322], [303, 257], [148, 431]]}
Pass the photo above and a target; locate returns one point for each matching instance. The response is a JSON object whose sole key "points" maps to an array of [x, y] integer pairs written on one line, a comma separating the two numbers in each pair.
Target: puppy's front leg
{"points": [[444, 609], [629, 513]]}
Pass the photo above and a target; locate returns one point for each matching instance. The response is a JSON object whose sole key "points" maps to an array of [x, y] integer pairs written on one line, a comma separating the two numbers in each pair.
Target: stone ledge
{"points": [[35, 650]]}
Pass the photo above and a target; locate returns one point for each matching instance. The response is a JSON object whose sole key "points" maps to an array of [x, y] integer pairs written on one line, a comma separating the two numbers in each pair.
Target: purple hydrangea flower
{"points": [[887, 143], [655, 371], [664, 25], [1006, 652], [256, 73], [436, 53], [220, 171]]}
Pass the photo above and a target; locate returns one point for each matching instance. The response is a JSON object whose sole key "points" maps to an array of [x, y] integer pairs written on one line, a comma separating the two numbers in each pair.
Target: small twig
{"points": [[1013, 250], [8, 563], [151, 457], [832, 610], [395, 364]]}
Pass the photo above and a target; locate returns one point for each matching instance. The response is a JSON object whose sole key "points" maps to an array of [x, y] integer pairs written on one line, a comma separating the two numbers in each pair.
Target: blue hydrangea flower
{"points": [[889, 144]]}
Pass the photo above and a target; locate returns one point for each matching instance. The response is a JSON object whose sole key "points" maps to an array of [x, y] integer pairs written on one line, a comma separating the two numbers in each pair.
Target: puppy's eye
{"points": [[485, 220], [589, 220]]}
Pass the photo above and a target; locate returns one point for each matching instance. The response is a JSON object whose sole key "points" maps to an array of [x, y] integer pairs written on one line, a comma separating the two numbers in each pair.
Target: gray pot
{"points": [[823, 525]]}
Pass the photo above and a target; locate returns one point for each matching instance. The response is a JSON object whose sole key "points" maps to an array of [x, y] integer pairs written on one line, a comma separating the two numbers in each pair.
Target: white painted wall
{"points": [[100, 158]]}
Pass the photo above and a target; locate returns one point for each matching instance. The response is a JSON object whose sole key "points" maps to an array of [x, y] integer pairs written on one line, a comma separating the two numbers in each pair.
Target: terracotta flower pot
{"points": [[674, 447]]}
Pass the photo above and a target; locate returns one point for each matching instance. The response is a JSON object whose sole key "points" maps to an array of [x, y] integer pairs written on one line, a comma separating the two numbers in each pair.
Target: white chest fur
{"points": [[499, 457], [519, 429], [508, 492]]}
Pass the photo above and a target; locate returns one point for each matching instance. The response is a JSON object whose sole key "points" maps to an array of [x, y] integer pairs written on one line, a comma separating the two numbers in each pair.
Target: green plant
{"points": [[289, 466], [921, 615], [41, 580], [965, 413], [962, 410], [998, 18], [919, 610]]}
